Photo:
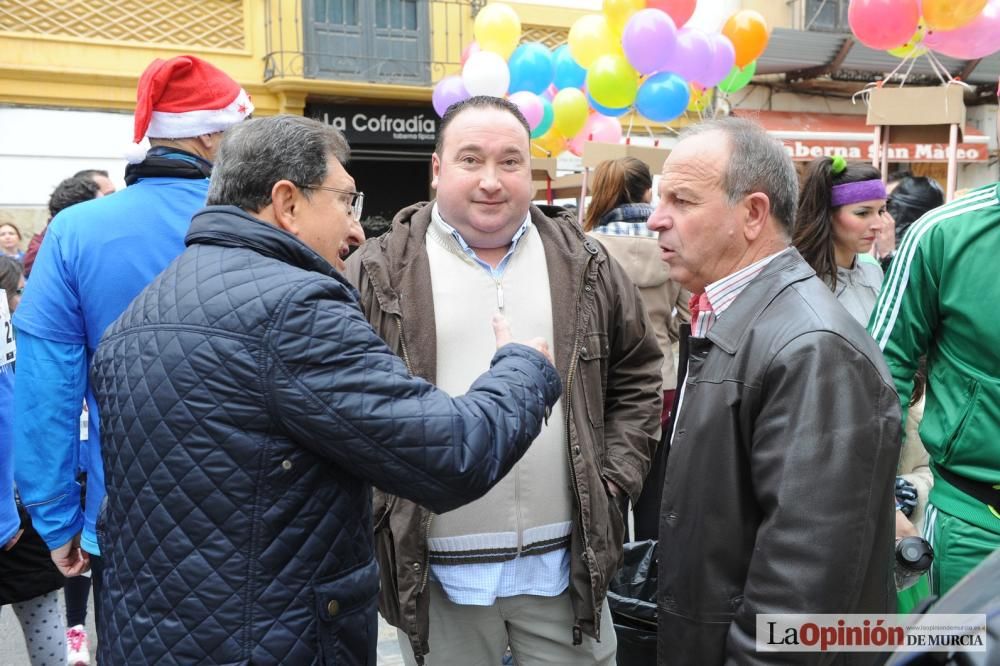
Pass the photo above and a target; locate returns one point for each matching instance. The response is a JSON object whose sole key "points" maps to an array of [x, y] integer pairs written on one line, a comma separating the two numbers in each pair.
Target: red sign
{"points": [[806, 150]]}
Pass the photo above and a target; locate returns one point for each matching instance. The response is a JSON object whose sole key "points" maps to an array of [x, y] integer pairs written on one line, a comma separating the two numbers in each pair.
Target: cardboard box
{"points": [[563, 187], [918, 114], [542, 167], [595, 153]]}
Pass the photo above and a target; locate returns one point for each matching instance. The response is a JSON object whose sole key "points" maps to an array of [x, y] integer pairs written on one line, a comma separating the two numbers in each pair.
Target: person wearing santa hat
{"points": [[96, 258]]}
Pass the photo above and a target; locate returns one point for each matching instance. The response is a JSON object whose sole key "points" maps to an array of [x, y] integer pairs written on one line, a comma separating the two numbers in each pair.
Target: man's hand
{"points": [[615, 491], [70, 559], [904, 528], [501, 328], [13, 540]]}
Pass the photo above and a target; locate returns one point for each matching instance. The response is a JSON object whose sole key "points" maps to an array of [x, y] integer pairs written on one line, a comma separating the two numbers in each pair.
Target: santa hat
{"points": [[184, 97]]}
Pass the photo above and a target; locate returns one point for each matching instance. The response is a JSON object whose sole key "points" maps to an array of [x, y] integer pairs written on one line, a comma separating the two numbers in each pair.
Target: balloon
{"points": [[568, 74], [599, 129], [470, 48], [662, 97], [692, 56], [679, 10], [649, 40], [974, 40], [486, 73], [549, 144], [530, 105], [531, 68], [722, 61], [497, 29], [607, 111], [590, 37], [701, 98], [570, 109], [951, 14], [448, 91], [748, 32], [913, 47], [738, 78], [611, 81], [880, 24], [618, 12], [546, 122]]}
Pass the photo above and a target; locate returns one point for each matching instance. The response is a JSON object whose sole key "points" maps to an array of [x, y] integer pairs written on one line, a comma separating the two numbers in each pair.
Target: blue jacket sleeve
{"points": [[9, 520], [48, 397], [339, 390]]}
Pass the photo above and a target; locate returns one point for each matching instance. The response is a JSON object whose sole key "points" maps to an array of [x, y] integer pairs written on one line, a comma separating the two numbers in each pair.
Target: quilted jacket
{"points": [[606, 352], [247, 407]]}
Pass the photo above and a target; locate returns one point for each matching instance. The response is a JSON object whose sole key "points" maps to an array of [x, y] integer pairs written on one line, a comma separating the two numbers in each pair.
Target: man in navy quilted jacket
{"points": [[247, 409]]}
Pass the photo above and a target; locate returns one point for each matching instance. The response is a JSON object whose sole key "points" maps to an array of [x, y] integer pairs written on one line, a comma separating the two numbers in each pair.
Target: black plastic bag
{"points": [[632, 599]]}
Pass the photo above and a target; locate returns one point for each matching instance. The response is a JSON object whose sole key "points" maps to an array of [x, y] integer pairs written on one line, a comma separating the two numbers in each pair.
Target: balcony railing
{"points": [[410, 42]]}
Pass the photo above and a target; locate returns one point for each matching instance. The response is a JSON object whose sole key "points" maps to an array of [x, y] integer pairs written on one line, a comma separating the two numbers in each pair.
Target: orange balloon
{"points": [[549, 144], [748, 32], [950, 14]]}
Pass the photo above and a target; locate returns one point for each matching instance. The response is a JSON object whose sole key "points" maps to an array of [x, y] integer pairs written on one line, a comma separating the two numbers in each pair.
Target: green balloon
{"points": [[612, 82], [738, 78]]}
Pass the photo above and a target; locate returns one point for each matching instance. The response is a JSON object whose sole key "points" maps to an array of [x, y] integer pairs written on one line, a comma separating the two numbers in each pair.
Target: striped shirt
{"points": [[721, 294]]}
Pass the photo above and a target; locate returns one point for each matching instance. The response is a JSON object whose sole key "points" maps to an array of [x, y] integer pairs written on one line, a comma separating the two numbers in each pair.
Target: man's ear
{"points": [[209, 144], [435, 169], [285, 202], [757, 208]]}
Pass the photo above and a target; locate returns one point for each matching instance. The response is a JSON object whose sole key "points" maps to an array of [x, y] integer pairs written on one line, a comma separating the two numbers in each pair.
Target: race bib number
{"points": [[7, 351]]}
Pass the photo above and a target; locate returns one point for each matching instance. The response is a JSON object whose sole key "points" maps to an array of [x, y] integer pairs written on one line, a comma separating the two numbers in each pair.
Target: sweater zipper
{"points": [[499, 293]]}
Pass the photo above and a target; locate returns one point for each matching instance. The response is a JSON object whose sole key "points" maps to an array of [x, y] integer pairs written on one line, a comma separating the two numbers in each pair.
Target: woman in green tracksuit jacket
{"points": [[941, 299]]}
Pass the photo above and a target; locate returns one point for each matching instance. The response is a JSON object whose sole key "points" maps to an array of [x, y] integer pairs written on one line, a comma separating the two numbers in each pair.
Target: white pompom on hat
{"points": [[185, 97]]}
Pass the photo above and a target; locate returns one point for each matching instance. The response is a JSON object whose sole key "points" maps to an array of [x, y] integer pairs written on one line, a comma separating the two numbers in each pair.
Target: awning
{"points": [[810, 135]]}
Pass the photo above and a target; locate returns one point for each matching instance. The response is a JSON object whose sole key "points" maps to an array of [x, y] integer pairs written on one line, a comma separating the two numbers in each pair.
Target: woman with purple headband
{"points": [[841, 211]]}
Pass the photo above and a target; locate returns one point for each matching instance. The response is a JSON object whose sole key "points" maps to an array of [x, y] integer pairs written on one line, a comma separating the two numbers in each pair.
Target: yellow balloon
{"points": [[701, 98], [549, 144], [618, 12], [913, 46], [569, 111], [590, 38], [950, 14], [497, 29]]}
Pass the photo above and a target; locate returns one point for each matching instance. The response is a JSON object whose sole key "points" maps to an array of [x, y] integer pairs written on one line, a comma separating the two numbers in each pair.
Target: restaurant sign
{"points": [[806, 150], [379, 124]]}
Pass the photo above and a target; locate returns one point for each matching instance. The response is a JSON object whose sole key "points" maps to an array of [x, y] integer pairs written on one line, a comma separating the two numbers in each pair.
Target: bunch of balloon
{"points": [[963, 29], [635, 57]]}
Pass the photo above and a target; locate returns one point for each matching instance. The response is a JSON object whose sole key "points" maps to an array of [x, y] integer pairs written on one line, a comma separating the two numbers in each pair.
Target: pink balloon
{"points": [[883, 24], [598, 129], [550, 92], [470, 48], [530, 106], [690, 60], [721, 63], [976, 39]]}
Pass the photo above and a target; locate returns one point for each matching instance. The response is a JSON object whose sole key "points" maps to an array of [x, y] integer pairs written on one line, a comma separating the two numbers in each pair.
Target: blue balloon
{"points": [[531, 68], [662, 97], [568, 73], [607, 111], [547, 117]]}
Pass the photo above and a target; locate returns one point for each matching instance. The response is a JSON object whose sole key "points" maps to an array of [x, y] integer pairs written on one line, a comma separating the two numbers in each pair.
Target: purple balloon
{"points": [[721, 63], [448, 91], [649, 40], [691, 58]]}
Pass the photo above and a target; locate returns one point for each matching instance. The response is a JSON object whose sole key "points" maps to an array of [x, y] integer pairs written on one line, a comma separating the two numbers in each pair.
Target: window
{"points": [[826, 15]]}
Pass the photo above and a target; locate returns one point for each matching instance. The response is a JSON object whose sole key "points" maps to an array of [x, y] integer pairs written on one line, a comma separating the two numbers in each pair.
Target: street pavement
{"points": [[12, 652]]}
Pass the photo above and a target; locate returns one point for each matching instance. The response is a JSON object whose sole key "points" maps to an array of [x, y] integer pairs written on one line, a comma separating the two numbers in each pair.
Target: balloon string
{"points": [[628, 133], [896, 69]]}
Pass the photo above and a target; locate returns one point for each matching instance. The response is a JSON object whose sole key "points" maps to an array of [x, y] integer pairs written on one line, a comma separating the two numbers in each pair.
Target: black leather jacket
{"points": [[778, 492]]}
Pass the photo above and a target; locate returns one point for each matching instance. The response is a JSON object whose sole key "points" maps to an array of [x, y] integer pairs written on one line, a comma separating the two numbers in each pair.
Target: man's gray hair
{"points": [[757, 163], [256, 154]]}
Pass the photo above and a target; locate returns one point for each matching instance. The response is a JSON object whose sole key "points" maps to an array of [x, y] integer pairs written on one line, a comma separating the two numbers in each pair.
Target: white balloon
{"points": [[486, 73]]}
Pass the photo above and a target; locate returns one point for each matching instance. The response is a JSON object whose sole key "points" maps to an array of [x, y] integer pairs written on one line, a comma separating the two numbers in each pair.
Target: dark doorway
{"points": [[391, 180]]}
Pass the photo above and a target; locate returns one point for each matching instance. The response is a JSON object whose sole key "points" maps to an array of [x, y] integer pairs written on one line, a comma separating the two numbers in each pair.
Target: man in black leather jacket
{"points": [[779, 483]]}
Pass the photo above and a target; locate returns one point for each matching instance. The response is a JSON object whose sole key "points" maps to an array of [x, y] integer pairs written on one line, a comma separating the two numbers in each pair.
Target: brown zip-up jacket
{"points": [[607, 356]]}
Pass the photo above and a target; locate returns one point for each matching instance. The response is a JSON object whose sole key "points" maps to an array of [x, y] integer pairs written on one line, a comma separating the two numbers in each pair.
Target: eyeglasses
{"points": [[354, 206]]}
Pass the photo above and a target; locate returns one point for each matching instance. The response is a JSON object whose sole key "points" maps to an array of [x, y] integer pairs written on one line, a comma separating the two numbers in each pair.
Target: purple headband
{"points": [[862, 190]]}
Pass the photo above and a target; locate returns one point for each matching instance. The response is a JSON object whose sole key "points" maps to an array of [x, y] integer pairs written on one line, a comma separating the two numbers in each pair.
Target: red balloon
{"points": [[679, 10], [883, 24]]}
